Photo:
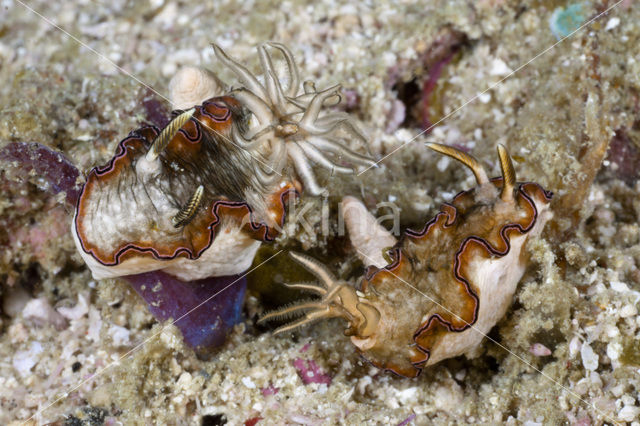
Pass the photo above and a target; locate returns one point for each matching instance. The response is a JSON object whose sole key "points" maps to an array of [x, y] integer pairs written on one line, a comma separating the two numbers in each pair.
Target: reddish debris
{"points": [[429, 85], [310, 372], [447, 43], [417, 93], [157, 112], [437, 56], [305, 348], [461, 147], [41, 184], [624, 155], [583, 421], [269, 390], [252, 421], [351, 100], [37, 238]]}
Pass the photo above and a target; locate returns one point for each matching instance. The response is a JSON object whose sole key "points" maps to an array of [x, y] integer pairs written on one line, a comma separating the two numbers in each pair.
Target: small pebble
{"points": [[589, 357], [24, 361], [538, 349], [78, 311], [574, 346], [248, 382], [612, 23], [498, 67], [619, 286], [120, 335], [628, 311], [41, 313], [629, 413]]}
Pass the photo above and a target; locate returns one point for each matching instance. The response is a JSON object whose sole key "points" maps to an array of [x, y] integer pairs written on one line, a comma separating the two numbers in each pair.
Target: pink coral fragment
{"points": [[269, 390], [310, 372], [428, 87]]}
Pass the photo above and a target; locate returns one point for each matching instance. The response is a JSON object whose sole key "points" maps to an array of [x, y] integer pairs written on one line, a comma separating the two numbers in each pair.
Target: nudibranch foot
{"points": [[447, 285]]}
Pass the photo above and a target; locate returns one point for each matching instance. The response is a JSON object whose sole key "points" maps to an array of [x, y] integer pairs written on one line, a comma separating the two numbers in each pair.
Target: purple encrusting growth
{"points": [[34, 159], [624, 156], [205, 327], [269, 390], [156, 110]]}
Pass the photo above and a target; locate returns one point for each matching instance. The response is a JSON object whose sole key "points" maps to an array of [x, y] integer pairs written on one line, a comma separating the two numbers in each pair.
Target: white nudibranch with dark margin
{"points": [[196, 198]]}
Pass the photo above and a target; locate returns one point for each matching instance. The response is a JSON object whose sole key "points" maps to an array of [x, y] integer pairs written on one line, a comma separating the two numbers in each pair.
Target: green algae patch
{"points": [[630, 352], [267, 282]]}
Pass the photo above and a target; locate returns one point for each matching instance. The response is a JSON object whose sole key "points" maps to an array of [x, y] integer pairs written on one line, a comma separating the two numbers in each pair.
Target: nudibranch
{"points": [[168, 194], [196, 198], [446, 286]]}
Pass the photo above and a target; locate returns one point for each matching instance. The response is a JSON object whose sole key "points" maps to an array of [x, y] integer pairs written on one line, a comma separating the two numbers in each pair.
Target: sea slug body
{"points": [[197, 198], [140, 213], [448, 284]]}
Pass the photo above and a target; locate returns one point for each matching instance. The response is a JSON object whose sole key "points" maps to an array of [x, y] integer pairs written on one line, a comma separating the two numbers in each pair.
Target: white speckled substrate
{"points": [[579, 300]]}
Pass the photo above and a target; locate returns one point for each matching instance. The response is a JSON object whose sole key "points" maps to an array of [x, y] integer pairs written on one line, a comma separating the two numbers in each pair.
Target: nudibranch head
{"points": [[289, 123], [338, 299], [167, 194], [448, 284]]}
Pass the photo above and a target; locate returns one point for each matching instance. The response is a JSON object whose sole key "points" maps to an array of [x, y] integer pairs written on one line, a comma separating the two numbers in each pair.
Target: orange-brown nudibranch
{"points": [[447, 285]]}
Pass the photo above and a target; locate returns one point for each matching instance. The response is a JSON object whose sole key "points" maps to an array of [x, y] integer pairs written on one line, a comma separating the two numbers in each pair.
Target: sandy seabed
{"points": [[568, 352]]}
